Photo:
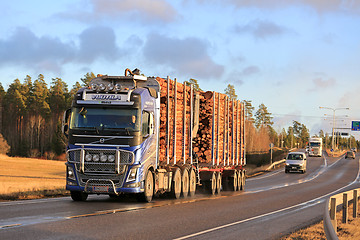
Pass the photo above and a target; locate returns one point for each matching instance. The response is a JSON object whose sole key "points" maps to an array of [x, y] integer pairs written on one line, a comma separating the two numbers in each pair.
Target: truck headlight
{"points": [[70, 173], [132, 175]]}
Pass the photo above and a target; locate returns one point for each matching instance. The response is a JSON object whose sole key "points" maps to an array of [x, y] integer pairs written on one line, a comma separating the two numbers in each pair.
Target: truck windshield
{"points": [[314, 144], [105, 118]]}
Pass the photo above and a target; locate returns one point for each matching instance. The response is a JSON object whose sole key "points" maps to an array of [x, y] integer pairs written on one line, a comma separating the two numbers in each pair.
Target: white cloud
{"points": [[145, 11], [187, 56], [324, 83], [97, 42], [148, 9], [319, 5], [24, 48], [262, 29]]}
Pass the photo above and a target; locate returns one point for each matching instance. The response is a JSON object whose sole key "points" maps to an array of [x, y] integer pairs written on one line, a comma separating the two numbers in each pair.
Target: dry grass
{"points": [[336, 153], [316, 231], [23, 176]]}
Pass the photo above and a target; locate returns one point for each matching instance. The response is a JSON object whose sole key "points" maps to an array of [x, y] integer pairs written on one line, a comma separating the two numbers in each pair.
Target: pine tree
{"points": [[87, 78], [195, 83], [249, 111], [230, 91], [263, 117]]}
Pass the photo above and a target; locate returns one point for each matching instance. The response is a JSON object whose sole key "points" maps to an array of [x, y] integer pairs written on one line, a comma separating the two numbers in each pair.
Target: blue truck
{"points": [[144, 136]]}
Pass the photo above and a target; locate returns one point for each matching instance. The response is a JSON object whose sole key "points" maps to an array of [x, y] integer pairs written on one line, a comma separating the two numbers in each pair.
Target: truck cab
{"points": [[112, 136], [315, 147]]}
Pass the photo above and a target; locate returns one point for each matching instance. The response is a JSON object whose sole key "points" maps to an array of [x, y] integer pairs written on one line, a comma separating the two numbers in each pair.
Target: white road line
{"points": [[22, 202], [265, 176], [317, 200]]}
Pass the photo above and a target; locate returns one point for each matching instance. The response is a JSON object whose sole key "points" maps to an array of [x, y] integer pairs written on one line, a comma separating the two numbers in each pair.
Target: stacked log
{"points": [[217, 141]]}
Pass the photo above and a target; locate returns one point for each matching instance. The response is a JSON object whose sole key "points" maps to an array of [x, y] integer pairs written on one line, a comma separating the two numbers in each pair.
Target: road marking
{"points": [[307, 179], [302, 205], [22, 202], [10, 225], [265, 176]]}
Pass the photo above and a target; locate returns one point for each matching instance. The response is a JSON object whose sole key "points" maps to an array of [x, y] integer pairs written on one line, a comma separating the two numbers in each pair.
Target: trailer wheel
{"points": [[239, 177], [211, 184], [234, 182], [176, 184], [192, 182], [148, 193], [78, 196], [185, 182], [218, 182], [243, 177]]}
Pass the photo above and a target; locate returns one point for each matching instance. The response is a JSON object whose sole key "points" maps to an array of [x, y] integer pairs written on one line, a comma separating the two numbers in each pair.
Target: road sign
{"points": [[355, 125], [271, 145]]}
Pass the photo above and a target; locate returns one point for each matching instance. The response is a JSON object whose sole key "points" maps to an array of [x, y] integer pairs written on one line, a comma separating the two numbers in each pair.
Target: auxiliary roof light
{"points": [[110, 87], [102, 87], [111, 158], [103, 158], [96, 157], [117, 87], [93, 86]]}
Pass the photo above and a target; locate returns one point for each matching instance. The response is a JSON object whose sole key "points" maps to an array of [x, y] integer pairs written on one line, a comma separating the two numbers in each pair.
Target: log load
{"points": [[218, 141]]}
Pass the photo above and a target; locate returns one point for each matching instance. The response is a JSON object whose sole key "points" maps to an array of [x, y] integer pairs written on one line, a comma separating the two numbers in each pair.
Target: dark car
{"points": [[350, 154]]}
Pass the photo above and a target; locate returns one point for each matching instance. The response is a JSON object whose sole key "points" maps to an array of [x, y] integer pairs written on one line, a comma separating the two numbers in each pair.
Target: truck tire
{"points": [[239, 178], [148, 193], [78, 196], [185, 182], [218, 182], [192, 182], [243, 177], [176, 184], [211, 184], [233, 182]]}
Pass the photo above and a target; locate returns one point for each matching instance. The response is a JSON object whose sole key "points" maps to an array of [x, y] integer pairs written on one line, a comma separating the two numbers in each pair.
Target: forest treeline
{"points": [[31, 113]]}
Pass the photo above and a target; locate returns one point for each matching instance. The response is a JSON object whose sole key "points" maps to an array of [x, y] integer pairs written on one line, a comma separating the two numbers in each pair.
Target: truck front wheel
{"points": [[78, 196], [148, 193]]}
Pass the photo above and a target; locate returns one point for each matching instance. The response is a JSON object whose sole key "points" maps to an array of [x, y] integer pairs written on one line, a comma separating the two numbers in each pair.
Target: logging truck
{"points": [[147, 136]]}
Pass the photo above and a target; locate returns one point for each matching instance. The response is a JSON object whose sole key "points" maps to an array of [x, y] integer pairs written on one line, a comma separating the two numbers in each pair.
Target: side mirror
{"points": [[65, 122]]}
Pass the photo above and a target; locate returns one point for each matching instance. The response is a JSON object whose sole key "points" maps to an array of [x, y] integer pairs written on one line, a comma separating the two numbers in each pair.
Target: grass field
{"points": [[30, 176]]}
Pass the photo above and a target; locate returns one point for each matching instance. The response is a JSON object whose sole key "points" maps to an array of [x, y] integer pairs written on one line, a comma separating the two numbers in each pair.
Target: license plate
{"points": [[293, 167], [100, 189]]}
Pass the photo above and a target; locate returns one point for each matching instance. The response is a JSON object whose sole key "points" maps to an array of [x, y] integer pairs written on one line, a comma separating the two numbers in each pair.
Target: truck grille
{"points": [[100, 161]]}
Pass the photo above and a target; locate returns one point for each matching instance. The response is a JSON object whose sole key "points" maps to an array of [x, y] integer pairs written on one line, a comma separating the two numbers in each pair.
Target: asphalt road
{"points": [[272, 205]]}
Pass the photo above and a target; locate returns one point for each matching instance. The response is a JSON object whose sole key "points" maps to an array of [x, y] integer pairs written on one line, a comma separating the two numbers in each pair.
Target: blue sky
{"points": [[293, 56]]}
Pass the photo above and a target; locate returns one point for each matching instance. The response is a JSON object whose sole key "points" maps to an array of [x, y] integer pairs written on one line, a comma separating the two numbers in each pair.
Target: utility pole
{"points": [[333, 129]]}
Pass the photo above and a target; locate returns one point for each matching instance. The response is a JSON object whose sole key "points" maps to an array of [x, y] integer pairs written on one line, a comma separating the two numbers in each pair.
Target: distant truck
{"points": [[147, 136], [315, 147]]}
